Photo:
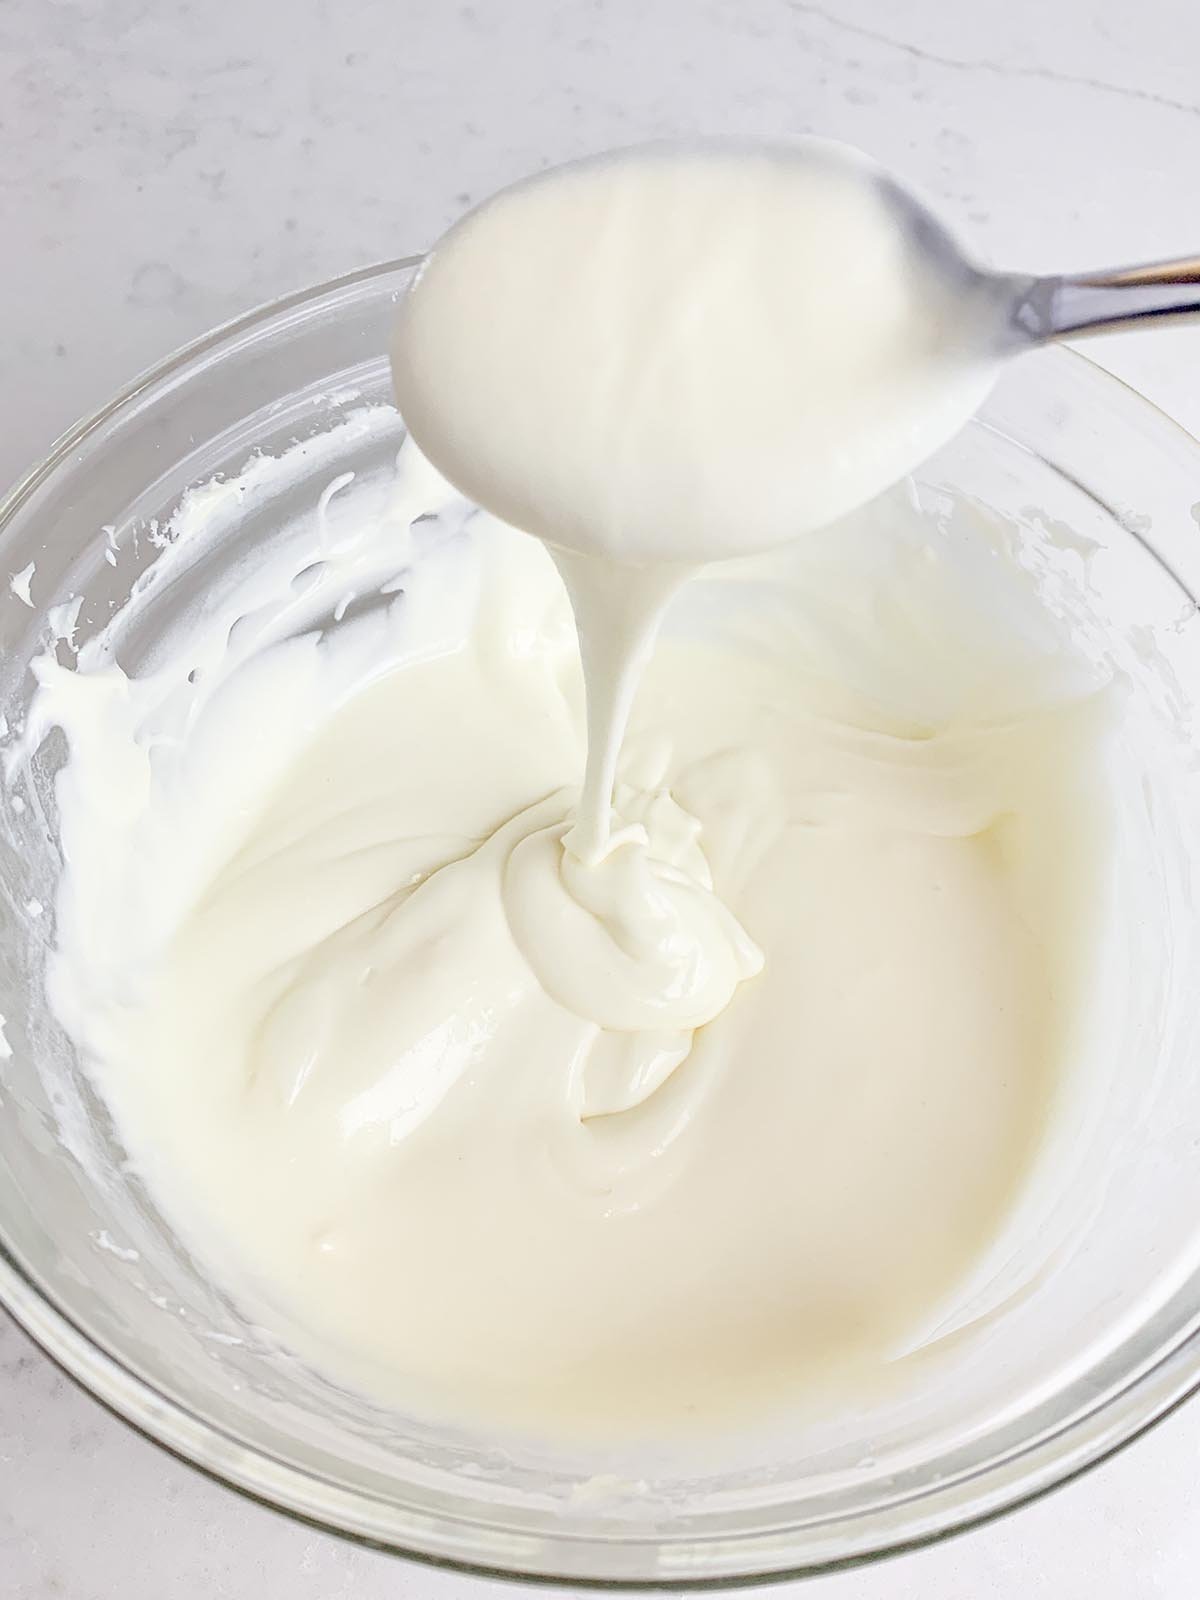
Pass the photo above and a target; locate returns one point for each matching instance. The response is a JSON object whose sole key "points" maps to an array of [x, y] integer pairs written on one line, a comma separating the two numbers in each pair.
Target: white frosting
{"points": [[385, 1075], [666, 1088], [673, 353], [687, 352]]}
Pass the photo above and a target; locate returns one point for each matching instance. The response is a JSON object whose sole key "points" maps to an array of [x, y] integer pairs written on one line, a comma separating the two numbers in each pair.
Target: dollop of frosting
{"points": [[636, 939]]}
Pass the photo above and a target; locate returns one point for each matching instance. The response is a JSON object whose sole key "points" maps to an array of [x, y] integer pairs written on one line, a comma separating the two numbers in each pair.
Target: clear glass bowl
{"points": [[1092, 1352]]}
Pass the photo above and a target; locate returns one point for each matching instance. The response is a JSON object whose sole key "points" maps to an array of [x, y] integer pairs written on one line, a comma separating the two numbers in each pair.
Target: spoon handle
{"points": [[1097, 302]]}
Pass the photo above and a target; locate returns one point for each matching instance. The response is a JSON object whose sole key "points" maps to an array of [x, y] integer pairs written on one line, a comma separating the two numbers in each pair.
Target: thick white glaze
{"points": [[379, 1066]]}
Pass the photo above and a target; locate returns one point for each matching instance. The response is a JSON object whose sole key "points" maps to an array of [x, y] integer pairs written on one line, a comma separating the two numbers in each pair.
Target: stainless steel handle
{"points": [[1095, 302]]}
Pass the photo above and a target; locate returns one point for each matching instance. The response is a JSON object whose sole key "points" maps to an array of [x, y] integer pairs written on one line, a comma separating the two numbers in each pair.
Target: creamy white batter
{"points": [[311, 969], [635, 1117], [678, 353]]}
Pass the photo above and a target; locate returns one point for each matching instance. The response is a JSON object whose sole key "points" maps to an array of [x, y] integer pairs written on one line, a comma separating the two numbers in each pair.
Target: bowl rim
{"points": [[1159, 1388]]}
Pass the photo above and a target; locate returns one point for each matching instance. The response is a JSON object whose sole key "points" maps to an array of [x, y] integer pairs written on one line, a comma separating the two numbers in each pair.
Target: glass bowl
{"points": [[1102, 1343]]}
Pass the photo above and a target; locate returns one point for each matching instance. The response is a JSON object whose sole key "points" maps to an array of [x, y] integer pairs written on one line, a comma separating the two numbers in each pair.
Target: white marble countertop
{"points": [[165, 165]]}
